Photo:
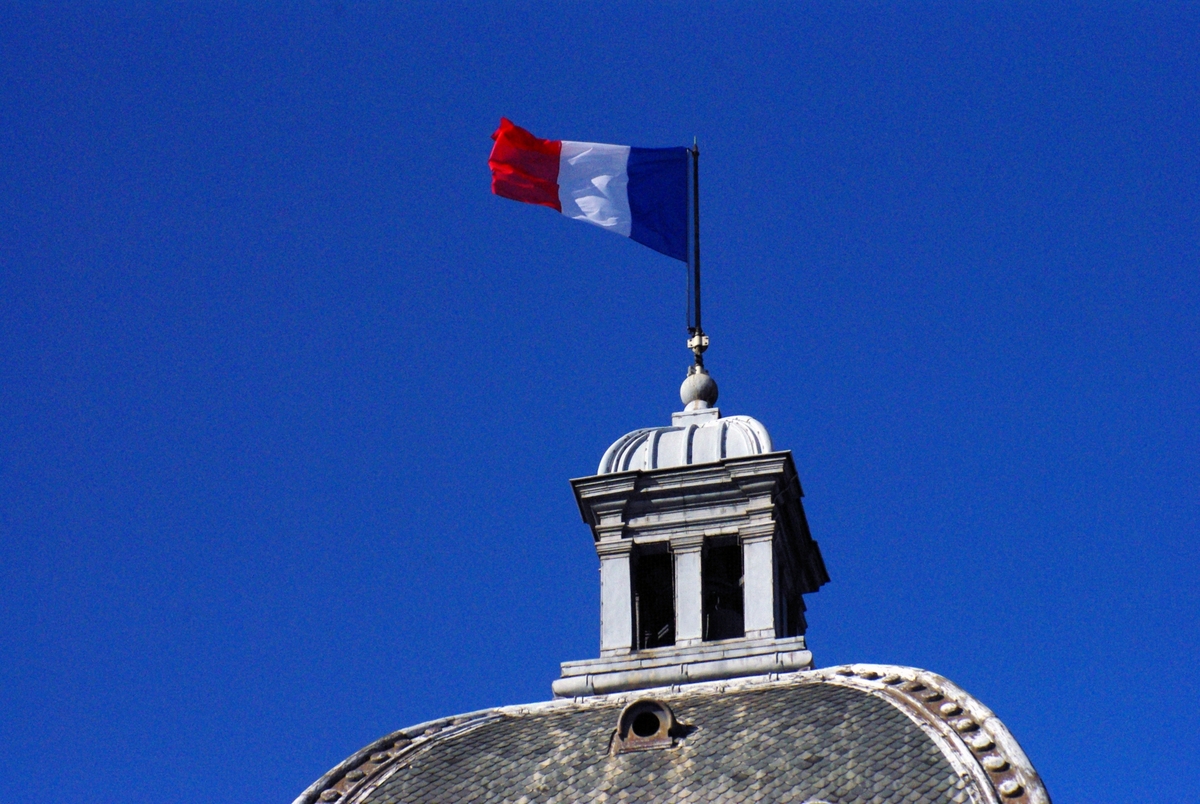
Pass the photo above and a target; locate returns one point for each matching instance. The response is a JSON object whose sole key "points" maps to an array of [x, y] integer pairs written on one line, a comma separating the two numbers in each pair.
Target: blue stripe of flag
{"points": [[658, 199]]}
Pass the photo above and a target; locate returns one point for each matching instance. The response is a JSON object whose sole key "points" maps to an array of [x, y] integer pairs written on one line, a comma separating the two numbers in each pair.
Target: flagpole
{"points": [[697, 341]]}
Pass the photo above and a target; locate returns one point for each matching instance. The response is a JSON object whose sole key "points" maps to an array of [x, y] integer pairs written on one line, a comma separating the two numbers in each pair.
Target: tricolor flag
{"points": [[640, 193]]}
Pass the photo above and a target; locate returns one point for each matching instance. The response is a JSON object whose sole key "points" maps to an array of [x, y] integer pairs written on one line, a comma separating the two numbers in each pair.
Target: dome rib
{"points": [[710, 439]]}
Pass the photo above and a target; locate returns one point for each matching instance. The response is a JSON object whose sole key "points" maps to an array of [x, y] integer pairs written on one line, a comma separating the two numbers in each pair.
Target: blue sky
{"points": [[289, 400]]}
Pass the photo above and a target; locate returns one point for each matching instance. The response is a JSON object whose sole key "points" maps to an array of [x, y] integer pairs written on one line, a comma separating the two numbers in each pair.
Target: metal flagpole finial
{"points": [[699, 390], [697, 340], [698, 343]]}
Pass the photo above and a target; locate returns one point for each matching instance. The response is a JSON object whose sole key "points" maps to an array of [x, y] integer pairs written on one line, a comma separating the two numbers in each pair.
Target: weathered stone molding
{"points": [[970, 734], [682, 664]]}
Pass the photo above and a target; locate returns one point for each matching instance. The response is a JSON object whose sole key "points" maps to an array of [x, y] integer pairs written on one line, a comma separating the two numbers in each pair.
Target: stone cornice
{"points": [[665, 503]]}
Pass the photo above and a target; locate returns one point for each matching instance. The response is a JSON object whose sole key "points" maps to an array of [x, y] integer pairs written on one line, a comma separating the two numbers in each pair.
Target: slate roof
{"points": [[858, 733]]}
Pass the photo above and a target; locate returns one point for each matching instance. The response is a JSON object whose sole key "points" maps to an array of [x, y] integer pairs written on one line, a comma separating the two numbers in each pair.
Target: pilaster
{"points": [[689, 595], [758, 570], [616, 597]]}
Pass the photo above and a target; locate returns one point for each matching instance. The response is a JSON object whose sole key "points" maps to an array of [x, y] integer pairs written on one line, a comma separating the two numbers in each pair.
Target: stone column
{"points": [[758, 572], [758, 481], [689, 596], [616, 597]]}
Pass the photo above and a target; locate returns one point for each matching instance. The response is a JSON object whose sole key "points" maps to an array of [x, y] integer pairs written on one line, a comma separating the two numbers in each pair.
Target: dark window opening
{"points": [[654, 600], [721, 573], [797, 622], [792, 578], [791, 616], [646, 724]]}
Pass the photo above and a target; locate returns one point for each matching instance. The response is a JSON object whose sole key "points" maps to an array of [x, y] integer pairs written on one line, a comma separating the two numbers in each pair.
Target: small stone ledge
{"points": [[681, 654], [664, 667]]}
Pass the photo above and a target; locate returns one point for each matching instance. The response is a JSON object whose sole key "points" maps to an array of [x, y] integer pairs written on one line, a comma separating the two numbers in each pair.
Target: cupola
{"points": [[705, 553]]}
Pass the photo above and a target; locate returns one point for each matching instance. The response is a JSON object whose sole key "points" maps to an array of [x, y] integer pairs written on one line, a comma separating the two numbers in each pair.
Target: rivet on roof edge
{"points": [[981, 742], [1010, 788]]}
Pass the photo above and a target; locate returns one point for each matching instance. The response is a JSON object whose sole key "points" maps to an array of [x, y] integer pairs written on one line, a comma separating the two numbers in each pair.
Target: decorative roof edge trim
{"points": [[970, 735], [978, 741]]}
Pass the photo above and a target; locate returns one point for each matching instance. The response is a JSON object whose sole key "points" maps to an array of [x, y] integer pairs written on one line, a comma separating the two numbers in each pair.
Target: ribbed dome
{"points": [[695, 437]]}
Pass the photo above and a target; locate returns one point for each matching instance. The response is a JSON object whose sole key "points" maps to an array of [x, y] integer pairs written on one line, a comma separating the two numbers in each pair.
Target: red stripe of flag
{"points": [[525, 167]]}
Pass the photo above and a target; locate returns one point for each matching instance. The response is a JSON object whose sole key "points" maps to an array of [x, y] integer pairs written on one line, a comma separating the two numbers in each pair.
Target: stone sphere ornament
{"points": [[699, 389]]}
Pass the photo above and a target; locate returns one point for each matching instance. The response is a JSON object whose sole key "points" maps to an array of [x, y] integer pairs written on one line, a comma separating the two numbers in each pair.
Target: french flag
{"points": [[639, 193]]}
